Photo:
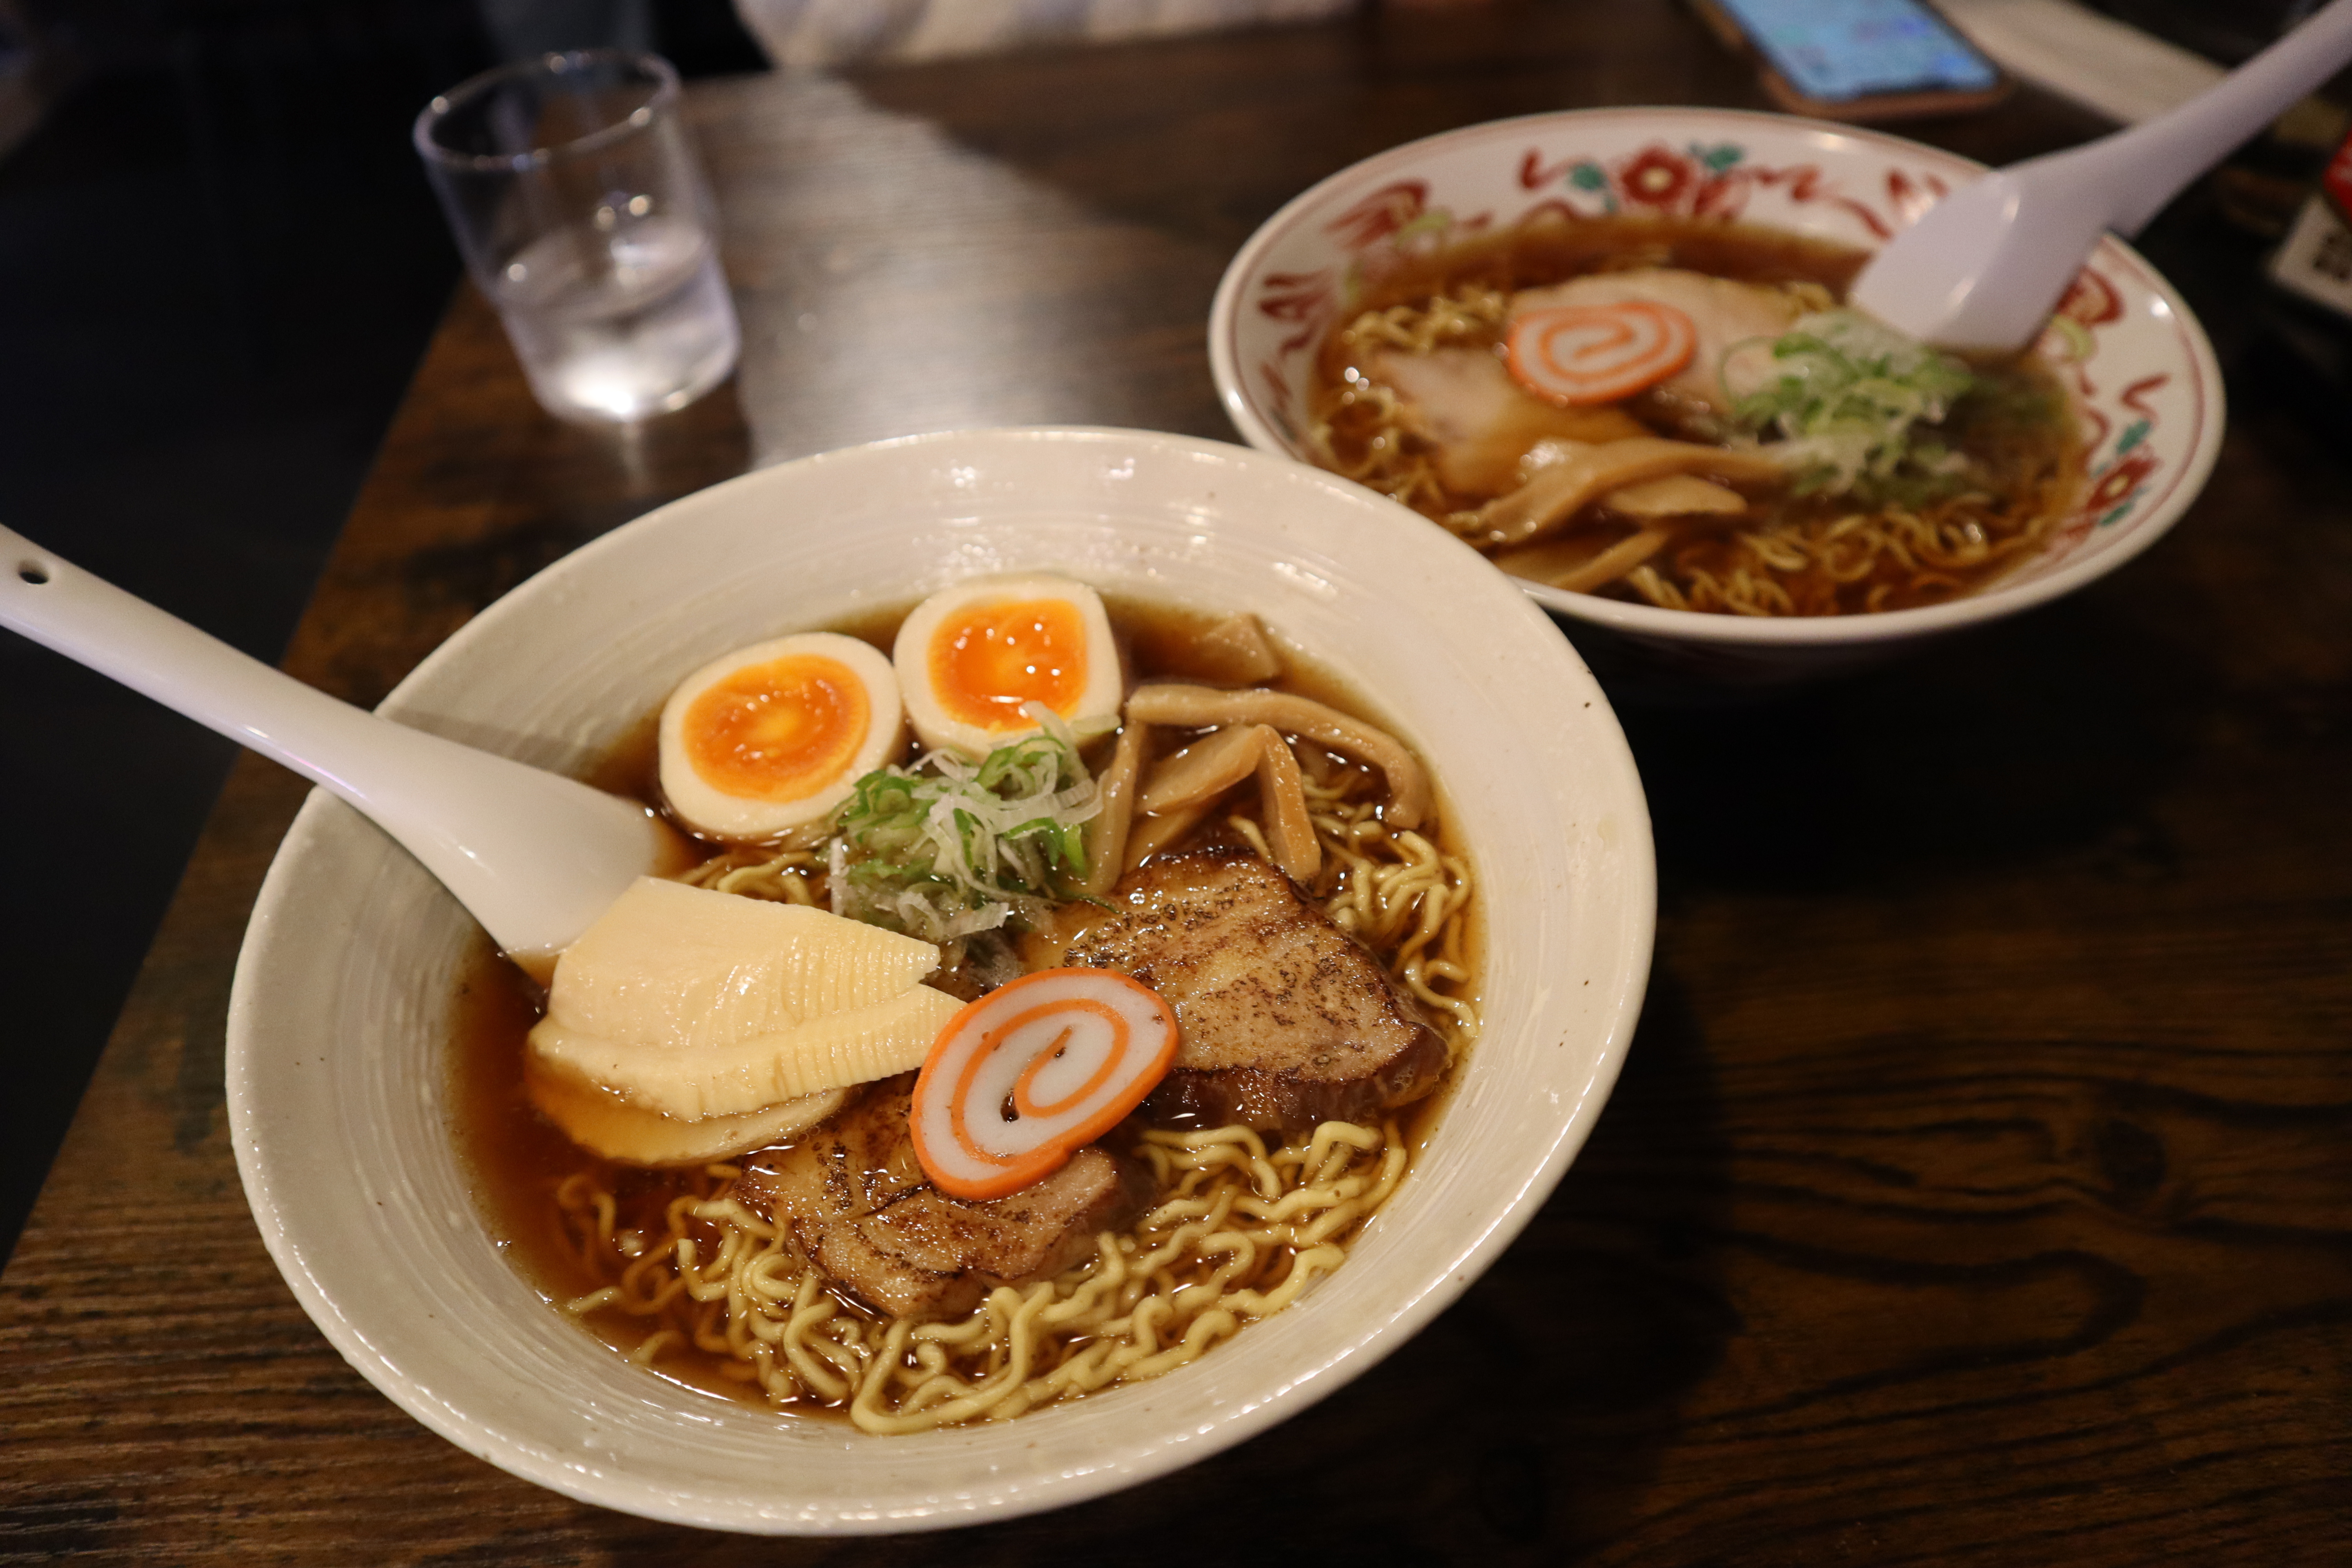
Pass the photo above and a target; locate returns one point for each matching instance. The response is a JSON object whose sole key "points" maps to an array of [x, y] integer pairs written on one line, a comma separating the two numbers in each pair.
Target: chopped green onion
{"points": [[1845, 395], [950, 847]]}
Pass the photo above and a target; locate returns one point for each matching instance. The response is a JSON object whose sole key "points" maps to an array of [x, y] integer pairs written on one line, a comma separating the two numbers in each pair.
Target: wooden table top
{"points": [[1980, 1187]]}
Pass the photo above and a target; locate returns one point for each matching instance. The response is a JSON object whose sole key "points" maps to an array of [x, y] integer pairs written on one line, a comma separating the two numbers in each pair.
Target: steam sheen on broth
{"points": [[1410, 396], [709, 1276]]}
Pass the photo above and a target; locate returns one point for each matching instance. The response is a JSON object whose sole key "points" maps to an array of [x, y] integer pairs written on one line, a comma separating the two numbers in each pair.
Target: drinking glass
{"points": [[576, 199]]}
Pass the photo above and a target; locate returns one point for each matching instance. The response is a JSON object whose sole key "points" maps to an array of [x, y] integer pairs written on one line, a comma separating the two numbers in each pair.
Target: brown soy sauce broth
{"points": [[517, 1160], [2019, 427], [1549, 248]]}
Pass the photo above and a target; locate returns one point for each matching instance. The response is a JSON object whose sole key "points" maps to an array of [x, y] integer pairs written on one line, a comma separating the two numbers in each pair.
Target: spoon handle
{"points": [[536, 857], [92, 622], [2133, 174]]}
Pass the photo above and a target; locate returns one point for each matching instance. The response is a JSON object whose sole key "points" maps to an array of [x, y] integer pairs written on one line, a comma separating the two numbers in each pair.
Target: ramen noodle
{"points": [[708, 1274], [1680, 413]]}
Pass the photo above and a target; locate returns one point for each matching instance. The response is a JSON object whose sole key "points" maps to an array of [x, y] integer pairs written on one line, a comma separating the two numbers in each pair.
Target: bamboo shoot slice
{"points": [[731, 1078], [1199, 707], [680, 966], [603, 1123]]}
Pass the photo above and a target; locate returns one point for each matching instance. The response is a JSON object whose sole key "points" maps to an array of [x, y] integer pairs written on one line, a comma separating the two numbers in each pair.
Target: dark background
{"points": [[219, 263]]}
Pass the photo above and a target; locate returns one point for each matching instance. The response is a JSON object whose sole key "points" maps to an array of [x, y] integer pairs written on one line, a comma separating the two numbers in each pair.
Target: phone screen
{"points": [[1837, 50]]}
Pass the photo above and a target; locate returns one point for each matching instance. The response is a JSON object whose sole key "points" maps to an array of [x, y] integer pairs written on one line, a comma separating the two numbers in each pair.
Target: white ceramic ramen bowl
{"points": [[2146, 390], [340, 1022]]}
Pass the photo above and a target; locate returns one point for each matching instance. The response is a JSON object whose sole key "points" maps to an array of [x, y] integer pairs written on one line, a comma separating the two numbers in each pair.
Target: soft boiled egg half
{"points": [[970, 657], [775, 735]]}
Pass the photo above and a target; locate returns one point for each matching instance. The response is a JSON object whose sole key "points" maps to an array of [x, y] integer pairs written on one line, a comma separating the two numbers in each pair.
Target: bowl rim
{"points": [[1440, 1282], [1994, 601]]}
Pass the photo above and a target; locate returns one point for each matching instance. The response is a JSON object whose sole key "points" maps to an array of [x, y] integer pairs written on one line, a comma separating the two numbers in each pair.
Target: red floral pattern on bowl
{"points": [[2145, 385]]}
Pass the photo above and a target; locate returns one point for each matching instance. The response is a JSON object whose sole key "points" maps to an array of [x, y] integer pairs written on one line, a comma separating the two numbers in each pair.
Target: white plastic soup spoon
{"points": [[1983, 268], [534, 856]]}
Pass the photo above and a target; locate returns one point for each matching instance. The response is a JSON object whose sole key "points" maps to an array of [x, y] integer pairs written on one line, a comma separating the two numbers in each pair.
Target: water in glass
{"points": [[620, 321]]}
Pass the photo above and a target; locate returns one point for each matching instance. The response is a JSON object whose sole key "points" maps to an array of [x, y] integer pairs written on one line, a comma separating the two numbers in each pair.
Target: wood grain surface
{"points": [[1979, 1187]]}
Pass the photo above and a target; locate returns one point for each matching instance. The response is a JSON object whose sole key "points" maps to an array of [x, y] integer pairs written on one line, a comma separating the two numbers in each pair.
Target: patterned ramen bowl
{"points": [[2146, 393]]}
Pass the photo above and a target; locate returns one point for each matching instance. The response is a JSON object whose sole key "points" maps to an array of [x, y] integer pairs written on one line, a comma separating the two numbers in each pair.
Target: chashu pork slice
{"points": [[1284, 1020], [857, 1205], [1481, 422]]}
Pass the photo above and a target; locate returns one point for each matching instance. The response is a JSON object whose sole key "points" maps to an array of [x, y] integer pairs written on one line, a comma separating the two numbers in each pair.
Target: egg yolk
{"points": [[988, 659], [780, 730]]}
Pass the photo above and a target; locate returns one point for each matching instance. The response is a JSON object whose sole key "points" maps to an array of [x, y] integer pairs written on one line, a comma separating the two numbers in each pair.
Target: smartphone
{"points": [[1858, 59]]}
